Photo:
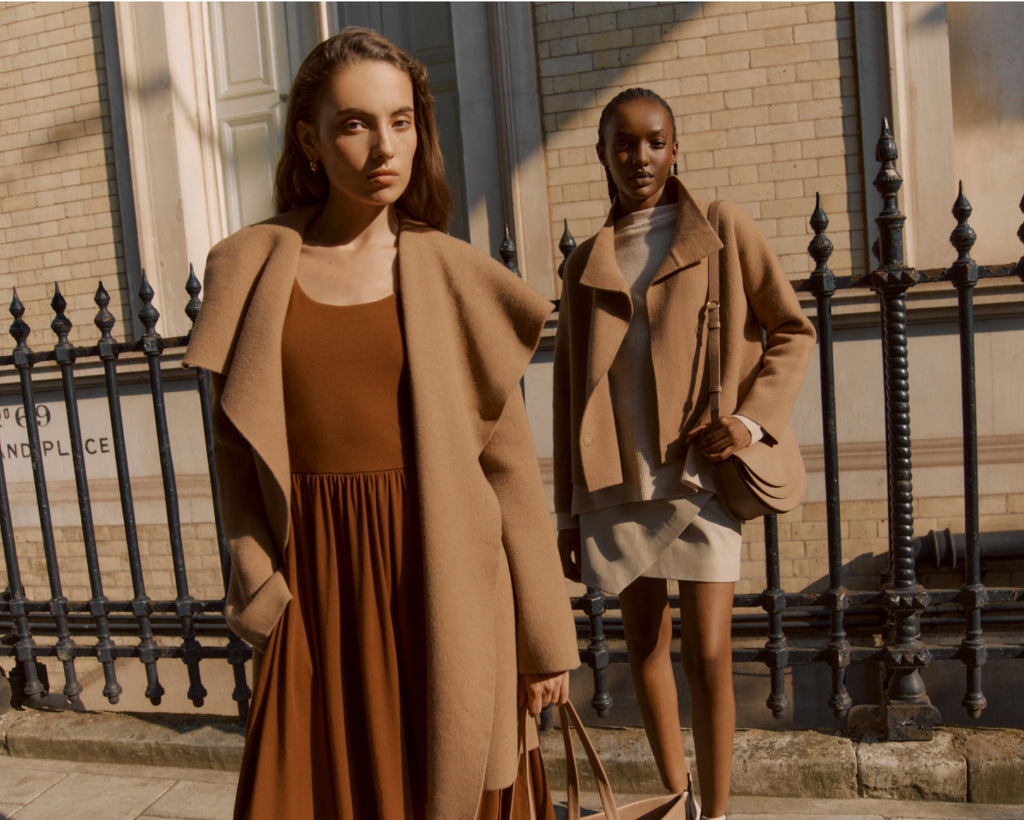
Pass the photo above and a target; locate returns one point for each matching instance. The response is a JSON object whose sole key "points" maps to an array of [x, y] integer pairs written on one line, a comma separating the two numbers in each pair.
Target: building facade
{"points": [[133, 136]]}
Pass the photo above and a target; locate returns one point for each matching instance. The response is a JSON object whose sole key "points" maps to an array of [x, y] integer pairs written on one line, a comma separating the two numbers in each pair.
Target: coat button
{"points": [[587, 441]]}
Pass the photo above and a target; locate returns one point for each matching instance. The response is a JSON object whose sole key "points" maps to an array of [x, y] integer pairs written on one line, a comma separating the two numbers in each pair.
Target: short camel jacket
{"points": [[495, 600], [594, 314]]}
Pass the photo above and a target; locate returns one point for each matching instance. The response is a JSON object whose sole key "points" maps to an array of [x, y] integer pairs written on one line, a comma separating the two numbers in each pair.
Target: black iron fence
{"points": [[193, 630]]}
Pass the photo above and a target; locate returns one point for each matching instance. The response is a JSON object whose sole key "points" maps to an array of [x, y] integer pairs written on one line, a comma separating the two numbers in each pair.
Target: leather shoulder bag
{"points": [[768, 476]]}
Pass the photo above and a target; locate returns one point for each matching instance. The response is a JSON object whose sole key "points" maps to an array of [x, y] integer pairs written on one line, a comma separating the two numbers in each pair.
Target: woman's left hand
{"points": [[720, 440], [537, 691]]}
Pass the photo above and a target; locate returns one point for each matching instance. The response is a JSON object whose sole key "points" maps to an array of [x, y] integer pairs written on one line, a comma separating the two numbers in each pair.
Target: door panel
{"points": [[255, 49]]}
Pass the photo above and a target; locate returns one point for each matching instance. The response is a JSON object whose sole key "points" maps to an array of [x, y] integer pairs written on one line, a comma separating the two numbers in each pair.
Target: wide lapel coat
{"points": [[494, 596], [594, 315], [601, 301]]}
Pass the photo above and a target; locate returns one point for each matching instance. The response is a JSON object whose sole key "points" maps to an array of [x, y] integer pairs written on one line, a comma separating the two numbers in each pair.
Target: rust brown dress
{"points": [[337, 726]]}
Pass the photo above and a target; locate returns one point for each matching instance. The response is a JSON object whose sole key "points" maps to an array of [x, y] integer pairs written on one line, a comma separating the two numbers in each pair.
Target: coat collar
{"points": [[253, 396], [694, 240]]}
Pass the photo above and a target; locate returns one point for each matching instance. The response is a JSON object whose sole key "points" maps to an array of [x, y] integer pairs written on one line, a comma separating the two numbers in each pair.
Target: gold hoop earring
{"points": [[313, 165]]}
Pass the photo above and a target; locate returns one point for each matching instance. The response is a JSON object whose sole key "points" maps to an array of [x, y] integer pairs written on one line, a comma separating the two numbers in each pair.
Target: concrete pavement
{"points": [[71, 766], [40, 789]]}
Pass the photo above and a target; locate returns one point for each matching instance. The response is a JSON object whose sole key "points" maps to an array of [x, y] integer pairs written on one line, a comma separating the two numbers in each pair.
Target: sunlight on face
{"points": [[365, 134], [638, 148]]}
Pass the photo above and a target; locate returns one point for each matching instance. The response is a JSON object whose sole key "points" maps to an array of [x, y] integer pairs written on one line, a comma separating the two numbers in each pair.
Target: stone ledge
{"points": [[117, 737], [958, 765]]}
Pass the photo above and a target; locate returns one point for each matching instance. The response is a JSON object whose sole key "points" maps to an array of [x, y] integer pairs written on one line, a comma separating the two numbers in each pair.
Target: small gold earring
{"points": [[313, 165]]}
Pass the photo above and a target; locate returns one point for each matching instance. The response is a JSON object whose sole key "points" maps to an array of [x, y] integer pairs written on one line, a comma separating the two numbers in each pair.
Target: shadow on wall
{"points": [[744, 135]]}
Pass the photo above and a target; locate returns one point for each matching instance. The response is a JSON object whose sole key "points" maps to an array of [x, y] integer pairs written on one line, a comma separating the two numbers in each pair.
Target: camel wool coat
{"points": [[496, 604], [595, 311]]}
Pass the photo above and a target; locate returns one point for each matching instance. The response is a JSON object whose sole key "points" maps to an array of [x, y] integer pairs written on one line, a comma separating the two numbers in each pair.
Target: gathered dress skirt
{"points": [[337, 726]]}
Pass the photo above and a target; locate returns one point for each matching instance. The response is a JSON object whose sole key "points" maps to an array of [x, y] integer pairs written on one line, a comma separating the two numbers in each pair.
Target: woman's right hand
{"points": [[569, 552]]}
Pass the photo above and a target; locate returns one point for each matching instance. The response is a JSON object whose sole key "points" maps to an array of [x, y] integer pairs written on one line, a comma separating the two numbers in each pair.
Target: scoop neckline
{"points": [[309, 298]]}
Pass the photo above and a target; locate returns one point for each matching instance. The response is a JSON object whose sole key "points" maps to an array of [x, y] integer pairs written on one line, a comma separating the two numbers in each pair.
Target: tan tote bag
{"points": [[665, 807]]}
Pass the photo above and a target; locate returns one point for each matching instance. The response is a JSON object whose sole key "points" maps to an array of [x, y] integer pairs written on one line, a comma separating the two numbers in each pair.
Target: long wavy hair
{"points": [[427, 198], [606, 114]]}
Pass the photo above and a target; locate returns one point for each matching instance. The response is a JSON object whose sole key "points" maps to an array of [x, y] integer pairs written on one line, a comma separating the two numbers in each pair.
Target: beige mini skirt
{"points": [[686, 539]]}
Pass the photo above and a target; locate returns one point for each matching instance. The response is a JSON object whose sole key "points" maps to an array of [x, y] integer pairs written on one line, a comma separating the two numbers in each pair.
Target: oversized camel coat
{"points": [[495, 600], [594, 314]]}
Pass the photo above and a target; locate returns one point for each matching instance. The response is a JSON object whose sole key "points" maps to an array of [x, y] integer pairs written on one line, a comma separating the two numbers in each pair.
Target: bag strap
{"points": [[572, 776], [508, 798], [714, 321]]}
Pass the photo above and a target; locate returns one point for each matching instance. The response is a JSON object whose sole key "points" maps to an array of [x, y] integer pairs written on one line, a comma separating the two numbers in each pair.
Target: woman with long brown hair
{"points": [[393, 563], [634, 438]]}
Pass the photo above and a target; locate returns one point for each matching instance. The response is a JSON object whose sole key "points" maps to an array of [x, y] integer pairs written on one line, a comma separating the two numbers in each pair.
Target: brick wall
{"points": [[803, 545], [199, 542], [765, 102], [58, 198]]}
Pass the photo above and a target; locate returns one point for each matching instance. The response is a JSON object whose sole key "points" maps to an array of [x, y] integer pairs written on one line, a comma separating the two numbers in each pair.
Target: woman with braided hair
{"points": [[634, 438]]}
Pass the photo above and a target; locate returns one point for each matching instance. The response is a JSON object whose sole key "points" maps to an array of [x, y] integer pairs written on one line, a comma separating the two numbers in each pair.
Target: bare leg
{"points": [[706, 617], [648, 625]]}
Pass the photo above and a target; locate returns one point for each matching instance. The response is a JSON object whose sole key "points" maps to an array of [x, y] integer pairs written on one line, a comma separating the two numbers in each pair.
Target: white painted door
{"points": [[255, 49]]}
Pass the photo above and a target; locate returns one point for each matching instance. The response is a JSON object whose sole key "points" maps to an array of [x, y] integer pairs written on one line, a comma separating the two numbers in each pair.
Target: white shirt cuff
{"points": [[756, 431]]}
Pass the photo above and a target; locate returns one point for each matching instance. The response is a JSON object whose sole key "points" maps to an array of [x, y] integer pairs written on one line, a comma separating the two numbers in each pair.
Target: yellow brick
{"points": [[817, 70], [780, 55], [741, 98], [737, 137], [735, 41], [695, 66], [782, 74], [747, 193], [567, 45], [826, 51], [740, 118], [706, 181], [604, 40], [649, 72], [691, 48], [607, 80], [752, 155], [834, 127], [572, 64], [736, 61], [573, 101], [712, 139], [993, 504], [830, 147], [783, 15], [729, 80], [696, 160], [733, 23], [691, 86], [561, 28], [824, 11], [779, 36]]}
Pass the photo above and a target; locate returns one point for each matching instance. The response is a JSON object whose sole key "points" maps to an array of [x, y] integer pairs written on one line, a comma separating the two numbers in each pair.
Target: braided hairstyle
{"points": [[606, 114]]}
